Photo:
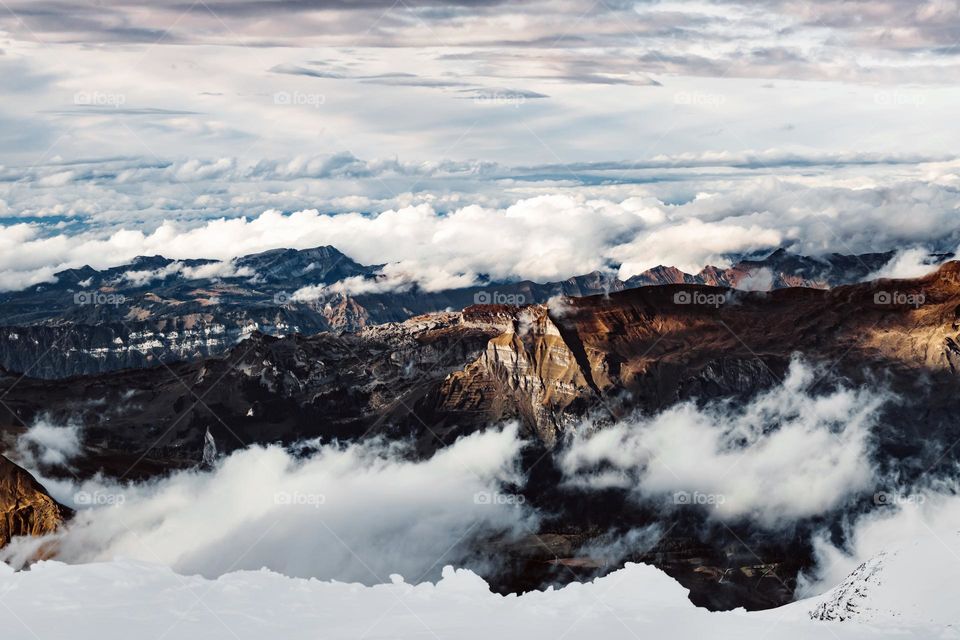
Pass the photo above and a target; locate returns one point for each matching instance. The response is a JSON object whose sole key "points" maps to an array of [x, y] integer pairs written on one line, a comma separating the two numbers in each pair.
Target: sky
{"points": [[821, 126]]}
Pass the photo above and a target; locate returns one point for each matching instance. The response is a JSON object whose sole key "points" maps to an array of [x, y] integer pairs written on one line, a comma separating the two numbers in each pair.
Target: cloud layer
{"points": [[565, 232], [353, 513]]}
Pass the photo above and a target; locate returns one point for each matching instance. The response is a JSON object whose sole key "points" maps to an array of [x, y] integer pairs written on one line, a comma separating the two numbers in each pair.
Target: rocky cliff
{"points": [[26, 509]]}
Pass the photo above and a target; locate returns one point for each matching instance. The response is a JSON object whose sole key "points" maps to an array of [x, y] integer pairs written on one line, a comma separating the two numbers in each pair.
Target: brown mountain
{"points": [[26, 509]]}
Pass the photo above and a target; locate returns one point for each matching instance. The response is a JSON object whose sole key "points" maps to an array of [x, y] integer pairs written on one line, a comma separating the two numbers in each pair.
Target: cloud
{"points": [[691, 245], [440, 239], [771, 39], [784, 456], [356, 512], [542, 238], [219, 269], [907, 263], [46, 444], [759, 280]]}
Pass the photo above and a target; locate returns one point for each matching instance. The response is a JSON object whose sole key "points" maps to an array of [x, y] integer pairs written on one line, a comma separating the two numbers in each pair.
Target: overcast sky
{"points": [[828, 126]]}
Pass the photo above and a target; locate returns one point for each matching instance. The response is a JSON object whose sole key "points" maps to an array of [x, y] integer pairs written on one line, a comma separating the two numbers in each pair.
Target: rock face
{"points": [[846, 600], [528, 370], [25, 507]]}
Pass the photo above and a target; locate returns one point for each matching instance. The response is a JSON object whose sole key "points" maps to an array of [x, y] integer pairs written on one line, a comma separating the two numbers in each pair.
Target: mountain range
{"points": [[551, 366], [157, 310]]}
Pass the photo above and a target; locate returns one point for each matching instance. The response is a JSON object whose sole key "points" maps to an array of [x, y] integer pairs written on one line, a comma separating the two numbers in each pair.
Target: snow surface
{"points": [[126, 599], [912, 583]]}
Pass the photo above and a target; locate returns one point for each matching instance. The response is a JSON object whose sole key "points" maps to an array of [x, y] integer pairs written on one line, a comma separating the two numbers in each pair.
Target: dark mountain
{"points": [[157, 310], [780, 270], [294, 268]]}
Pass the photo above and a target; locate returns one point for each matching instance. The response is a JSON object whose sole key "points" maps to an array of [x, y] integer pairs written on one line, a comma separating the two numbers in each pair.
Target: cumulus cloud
{"points": [[691, 245], [785, 455], [354, 513], [553, 236], [541, 238]]}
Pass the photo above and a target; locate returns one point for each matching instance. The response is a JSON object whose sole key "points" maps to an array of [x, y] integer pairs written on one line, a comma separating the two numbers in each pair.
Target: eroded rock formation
{"points": [[26, 509]]}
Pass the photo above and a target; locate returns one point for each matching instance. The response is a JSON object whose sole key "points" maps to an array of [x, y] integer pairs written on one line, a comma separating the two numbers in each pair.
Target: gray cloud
{"points": [[769, 39]]}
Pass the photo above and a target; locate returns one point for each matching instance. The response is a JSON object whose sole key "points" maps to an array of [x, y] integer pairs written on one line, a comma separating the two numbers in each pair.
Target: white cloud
{"points": [[786, 455], [218, 269], [691, 245], [545, 237], [45, 444], [908, 263], [357, 513]]}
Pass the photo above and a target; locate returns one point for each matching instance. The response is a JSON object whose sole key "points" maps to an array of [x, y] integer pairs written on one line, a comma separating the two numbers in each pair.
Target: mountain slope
{"points": [[55, 600], [26, 509], [902, 585]]}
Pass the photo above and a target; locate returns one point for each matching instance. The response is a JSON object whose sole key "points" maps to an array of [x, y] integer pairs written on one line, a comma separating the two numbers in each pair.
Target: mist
{"points": [[357, 512], [789, 453]]}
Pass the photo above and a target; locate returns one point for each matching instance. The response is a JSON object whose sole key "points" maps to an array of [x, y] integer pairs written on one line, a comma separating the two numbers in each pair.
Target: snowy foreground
{"points": [[907, 592]]}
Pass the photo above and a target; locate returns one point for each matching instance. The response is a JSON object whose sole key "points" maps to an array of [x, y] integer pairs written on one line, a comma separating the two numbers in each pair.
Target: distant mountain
{"points": [[160, 310], [780, 270]]}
